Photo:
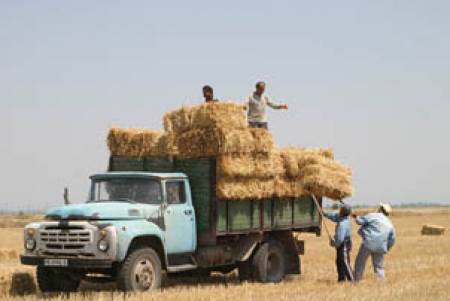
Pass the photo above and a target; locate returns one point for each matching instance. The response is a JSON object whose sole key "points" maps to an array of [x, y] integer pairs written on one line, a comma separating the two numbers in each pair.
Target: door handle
{"points": [[188, 211]]}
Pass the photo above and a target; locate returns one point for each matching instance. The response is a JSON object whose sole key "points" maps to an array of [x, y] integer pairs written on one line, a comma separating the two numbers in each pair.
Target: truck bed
{"points": [[216, 218]]}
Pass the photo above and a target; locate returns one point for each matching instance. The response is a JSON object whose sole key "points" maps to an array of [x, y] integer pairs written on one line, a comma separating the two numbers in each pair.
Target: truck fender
{"points": [[132, 234], [246, 246]]}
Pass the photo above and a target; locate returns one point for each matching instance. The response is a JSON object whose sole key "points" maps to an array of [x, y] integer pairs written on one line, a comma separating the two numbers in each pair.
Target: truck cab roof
{"points": [[138, 174]]}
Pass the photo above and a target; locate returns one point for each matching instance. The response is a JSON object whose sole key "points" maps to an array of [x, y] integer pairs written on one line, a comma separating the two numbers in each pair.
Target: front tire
{"points": [[140, 272], [268, 264], [54, 280]]}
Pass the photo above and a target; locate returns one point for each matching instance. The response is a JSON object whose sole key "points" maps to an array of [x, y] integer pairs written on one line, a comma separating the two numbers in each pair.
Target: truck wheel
{"points": [[269, 262], [52, 280], [140, 272]]}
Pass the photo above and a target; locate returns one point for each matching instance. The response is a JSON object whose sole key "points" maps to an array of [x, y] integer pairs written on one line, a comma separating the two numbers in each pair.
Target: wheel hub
{"points": [[143, 275]]}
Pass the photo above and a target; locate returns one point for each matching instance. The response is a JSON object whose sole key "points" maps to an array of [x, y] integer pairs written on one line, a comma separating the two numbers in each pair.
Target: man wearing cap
{"points": [[342, 242], [378, 236], [256, 107]]}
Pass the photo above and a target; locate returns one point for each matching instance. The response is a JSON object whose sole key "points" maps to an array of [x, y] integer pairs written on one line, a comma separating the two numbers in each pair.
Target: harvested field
{"points": [[416, 269]]}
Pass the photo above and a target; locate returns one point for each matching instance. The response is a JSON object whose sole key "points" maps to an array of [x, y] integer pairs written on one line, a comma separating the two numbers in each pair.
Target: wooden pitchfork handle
{"points": [[322, 215]]}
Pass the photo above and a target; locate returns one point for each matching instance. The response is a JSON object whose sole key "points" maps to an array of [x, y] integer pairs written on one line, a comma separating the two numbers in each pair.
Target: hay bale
{"points": [[250, 165], [207, 115], [331, 180], [295, 159], [217, 141], [285, 187], [133, 142], [22, 284], [242, 189], [433, 230]]}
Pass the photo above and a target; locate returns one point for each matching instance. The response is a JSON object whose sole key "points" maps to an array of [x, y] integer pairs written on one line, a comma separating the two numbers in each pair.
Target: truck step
{"points": [[181, 268]]}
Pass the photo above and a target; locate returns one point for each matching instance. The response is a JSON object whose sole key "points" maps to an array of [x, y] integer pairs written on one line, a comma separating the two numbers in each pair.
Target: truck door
{"points": [[179, 218]]}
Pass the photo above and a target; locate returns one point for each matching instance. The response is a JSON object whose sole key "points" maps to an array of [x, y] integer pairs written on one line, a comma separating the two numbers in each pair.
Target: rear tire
{"points": [[268, 264], [140, 272], [54, 280]]}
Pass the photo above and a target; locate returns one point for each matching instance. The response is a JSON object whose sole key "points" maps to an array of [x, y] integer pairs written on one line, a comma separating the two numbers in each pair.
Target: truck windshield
{"points": [[145, 191]]}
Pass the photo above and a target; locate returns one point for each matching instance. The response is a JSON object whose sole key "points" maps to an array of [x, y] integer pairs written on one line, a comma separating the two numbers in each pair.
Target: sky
{"points": [[369, 79]]}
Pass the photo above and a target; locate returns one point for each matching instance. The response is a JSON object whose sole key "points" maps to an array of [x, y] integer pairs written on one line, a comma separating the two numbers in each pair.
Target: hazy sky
{"points": [[370, 79]]}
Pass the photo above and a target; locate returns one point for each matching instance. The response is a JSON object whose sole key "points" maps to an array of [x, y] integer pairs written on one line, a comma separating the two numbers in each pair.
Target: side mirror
{"points": [[66, 196]]}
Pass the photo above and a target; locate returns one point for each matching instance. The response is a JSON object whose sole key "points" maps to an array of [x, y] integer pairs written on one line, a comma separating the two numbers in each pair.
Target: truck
{"points": [[146, 218]]}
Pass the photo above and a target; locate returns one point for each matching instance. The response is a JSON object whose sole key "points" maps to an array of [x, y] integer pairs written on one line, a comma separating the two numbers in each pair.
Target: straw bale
{"points": [[433, 230], [297, 158], [22, 284], [332, 180], [167, 145], [242, 189], [207, 115], [8, 254], [248, 165], [285, 187], [216, 141], [133, 142]]}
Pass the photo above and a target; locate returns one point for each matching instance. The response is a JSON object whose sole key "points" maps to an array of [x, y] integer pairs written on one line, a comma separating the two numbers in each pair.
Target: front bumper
{"points": [[77, 263]]}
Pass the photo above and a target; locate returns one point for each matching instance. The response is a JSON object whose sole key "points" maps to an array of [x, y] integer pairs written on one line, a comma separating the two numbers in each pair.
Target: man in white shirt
{"points": [[256, 107]]}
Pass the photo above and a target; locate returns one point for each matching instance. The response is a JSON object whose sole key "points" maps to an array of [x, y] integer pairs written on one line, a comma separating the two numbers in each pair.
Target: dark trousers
{"points": [[344, 268], [259, 125]]}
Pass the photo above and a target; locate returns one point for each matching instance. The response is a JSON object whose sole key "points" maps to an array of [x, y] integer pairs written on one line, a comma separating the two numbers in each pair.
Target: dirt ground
{"points": [[418, 268]]}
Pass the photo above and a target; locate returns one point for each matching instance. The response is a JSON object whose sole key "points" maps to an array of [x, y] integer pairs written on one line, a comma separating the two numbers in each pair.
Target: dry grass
{"points": [[133, 142], [418, 268]]}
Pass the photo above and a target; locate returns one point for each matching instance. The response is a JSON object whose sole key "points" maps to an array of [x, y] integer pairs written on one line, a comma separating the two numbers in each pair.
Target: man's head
{"points": [[208, 93], [386, 209], [345, 210], [260, 88]]}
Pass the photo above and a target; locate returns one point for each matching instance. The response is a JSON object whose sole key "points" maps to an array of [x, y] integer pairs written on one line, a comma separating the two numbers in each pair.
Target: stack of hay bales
{"points": [[249, 166]]}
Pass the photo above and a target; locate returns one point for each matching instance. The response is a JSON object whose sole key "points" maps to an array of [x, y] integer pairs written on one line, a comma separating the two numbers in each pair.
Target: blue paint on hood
{"points": [[101, 210]]}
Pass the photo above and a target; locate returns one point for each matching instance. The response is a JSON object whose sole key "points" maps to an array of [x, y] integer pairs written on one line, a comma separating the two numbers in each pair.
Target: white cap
{"points": [[386, 208]]}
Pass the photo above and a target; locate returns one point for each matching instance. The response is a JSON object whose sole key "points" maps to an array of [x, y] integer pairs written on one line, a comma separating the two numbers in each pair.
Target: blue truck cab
{"points": [[138, 225]]}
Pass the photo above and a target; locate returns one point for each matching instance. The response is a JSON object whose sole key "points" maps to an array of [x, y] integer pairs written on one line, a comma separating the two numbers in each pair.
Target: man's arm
{"points": [[391, 239], [274, 105], [360, 220], [331, 216]]}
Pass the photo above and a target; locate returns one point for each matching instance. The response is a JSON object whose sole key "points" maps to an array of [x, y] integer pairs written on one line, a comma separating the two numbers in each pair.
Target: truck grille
{"points": [[71, 238]]}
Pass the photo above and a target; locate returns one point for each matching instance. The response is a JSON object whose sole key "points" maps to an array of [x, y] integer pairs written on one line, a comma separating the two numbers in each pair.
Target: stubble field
{"points": [[418, 268]]}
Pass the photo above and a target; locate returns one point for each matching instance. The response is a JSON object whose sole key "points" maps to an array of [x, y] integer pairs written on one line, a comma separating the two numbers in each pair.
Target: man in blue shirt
{"points": [[378, 236], [342, 242]]}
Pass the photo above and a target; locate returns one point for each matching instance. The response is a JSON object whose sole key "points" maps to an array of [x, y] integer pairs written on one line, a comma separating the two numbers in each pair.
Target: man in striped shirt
{"points": [[256, 107]]}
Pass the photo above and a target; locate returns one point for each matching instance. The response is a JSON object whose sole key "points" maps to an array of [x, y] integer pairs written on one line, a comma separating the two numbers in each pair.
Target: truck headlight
{"points": [[30, 244], [103, 245]]}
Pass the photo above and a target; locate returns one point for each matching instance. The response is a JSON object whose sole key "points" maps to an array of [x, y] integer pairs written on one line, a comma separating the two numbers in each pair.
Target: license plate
{"points": [[54, 262]]}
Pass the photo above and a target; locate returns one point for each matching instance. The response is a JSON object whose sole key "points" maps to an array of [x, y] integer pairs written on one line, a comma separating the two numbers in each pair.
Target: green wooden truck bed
{"points": [[216, 218]]}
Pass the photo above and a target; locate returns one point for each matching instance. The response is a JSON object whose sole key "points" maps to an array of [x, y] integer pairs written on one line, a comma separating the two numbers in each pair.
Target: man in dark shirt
{"points": [[208, 94]]}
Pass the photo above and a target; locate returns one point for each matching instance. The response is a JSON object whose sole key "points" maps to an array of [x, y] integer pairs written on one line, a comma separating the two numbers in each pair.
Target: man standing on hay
{"points": [[342, 241], [256, 107], [378, 236], [208, 94]]}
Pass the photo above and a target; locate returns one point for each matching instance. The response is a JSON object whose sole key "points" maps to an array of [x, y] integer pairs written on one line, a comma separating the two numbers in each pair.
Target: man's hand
{"points": [[332, 243], [284, 106], [354, 215]]}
